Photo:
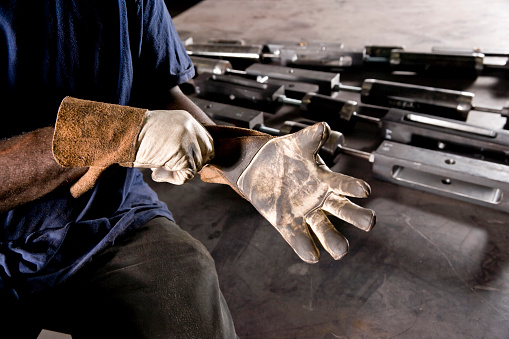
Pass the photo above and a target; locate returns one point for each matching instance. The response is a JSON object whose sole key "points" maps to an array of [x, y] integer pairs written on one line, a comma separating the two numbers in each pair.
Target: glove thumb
{"points": [[311, 139], [87, 181]]}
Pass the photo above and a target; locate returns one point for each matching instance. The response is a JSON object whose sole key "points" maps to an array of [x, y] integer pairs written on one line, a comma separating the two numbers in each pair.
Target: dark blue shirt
{"points": [[122, 52]]}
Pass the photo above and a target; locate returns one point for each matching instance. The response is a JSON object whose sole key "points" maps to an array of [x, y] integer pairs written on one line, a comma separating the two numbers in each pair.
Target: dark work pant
{"points": [[158, 282]]}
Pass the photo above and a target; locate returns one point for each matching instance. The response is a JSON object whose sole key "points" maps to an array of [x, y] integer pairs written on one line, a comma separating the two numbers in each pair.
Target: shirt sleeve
{"points": [[162, 60]]}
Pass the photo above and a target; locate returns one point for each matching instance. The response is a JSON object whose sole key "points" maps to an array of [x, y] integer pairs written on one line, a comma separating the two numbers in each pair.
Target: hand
{"points": [[97, 135], [287, 182], [174, 145]]}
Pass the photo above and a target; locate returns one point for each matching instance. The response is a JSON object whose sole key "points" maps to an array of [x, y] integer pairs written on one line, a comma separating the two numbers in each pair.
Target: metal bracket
{"points": [[475, 181]]}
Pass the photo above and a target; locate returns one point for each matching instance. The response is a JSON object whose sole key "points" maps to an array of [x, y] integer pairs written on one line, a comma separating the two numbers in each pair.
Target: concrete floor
{"points": [[433, 267]]}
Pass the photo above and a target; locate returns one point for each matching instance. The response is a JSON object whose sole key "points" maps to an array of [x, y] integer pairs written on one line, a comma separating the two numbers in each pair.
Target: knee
{"points": [[199, 262], [185, 254]]}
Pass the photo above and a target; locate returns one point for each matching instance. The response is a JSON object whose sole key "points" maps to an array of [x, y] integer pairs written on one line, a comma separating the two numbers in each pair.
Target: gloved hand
{"points": [[174, 145], [97, 135], [286, 181]]}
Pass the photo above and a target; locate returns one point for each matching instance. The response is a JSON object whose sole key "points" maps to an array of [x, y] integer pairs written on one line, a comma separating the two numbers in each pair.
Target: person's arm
{"points": [[28, 169], [97, 135], [283, 177], [179, 101]]}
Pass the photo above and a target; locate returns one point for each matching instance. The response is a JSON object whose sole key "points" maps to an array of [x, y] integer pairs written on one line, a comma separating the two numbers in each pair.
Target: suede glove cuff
{"points": [[95, 135]]}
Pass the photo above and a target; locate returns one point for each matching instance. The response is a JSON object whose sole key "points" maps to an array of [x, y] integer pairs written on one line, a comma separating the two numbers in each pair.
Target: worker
{"points": [[90, 93]]}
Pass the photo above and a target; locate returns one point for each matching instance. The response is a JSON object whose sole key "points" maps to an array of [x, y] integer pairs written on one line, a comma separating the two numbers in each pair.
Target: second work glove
{"points": [[286, 181], [97, 135]]}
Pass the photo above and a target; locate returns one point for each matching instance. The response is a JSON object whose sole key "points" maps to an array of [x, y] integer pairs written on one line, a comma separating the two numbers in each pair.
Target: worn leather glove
{"points": [[286, 181], [97, 135], [174, 145]]}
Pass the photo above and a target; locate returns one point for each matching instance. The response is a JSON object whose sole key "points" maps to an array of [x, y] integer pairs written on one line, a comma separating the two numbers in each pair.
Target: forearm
{"points": [[28, 169], [179, 100]]}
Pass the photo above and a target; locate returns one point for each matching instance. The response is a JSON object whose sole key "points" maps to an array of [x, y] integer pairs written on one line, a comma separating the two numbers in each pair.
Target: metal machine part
{"points": [[237, 90], [312, 54], [424, 99], [324, 59], [304, 53], [352, 58], [319, 105], [240, 51], [230, 115], [342, 58], [210, 65], [486, 52], [236, 51], [446, 135], [443, 102], [377, 53], [227, 41], [293, 89], [472, 180], [302, 45], [326, 81], [468, 65], [494, 58]]}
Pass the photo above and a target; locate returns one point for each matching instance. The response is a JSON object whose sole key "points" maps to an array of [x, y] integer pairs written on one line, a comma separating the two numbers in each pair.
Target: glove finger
{"points": [[177, 170], [346, 210], [87, 181], [298, 237], [342, 184], [160, 174], [309, 140], [333, 241]]}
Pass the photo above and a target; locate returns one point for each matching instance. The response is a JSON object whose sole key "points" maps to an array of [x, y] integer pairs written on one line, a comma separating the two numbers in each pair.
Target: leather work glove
{"points": [[97, 135], [288, 183], [174, 145]]}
